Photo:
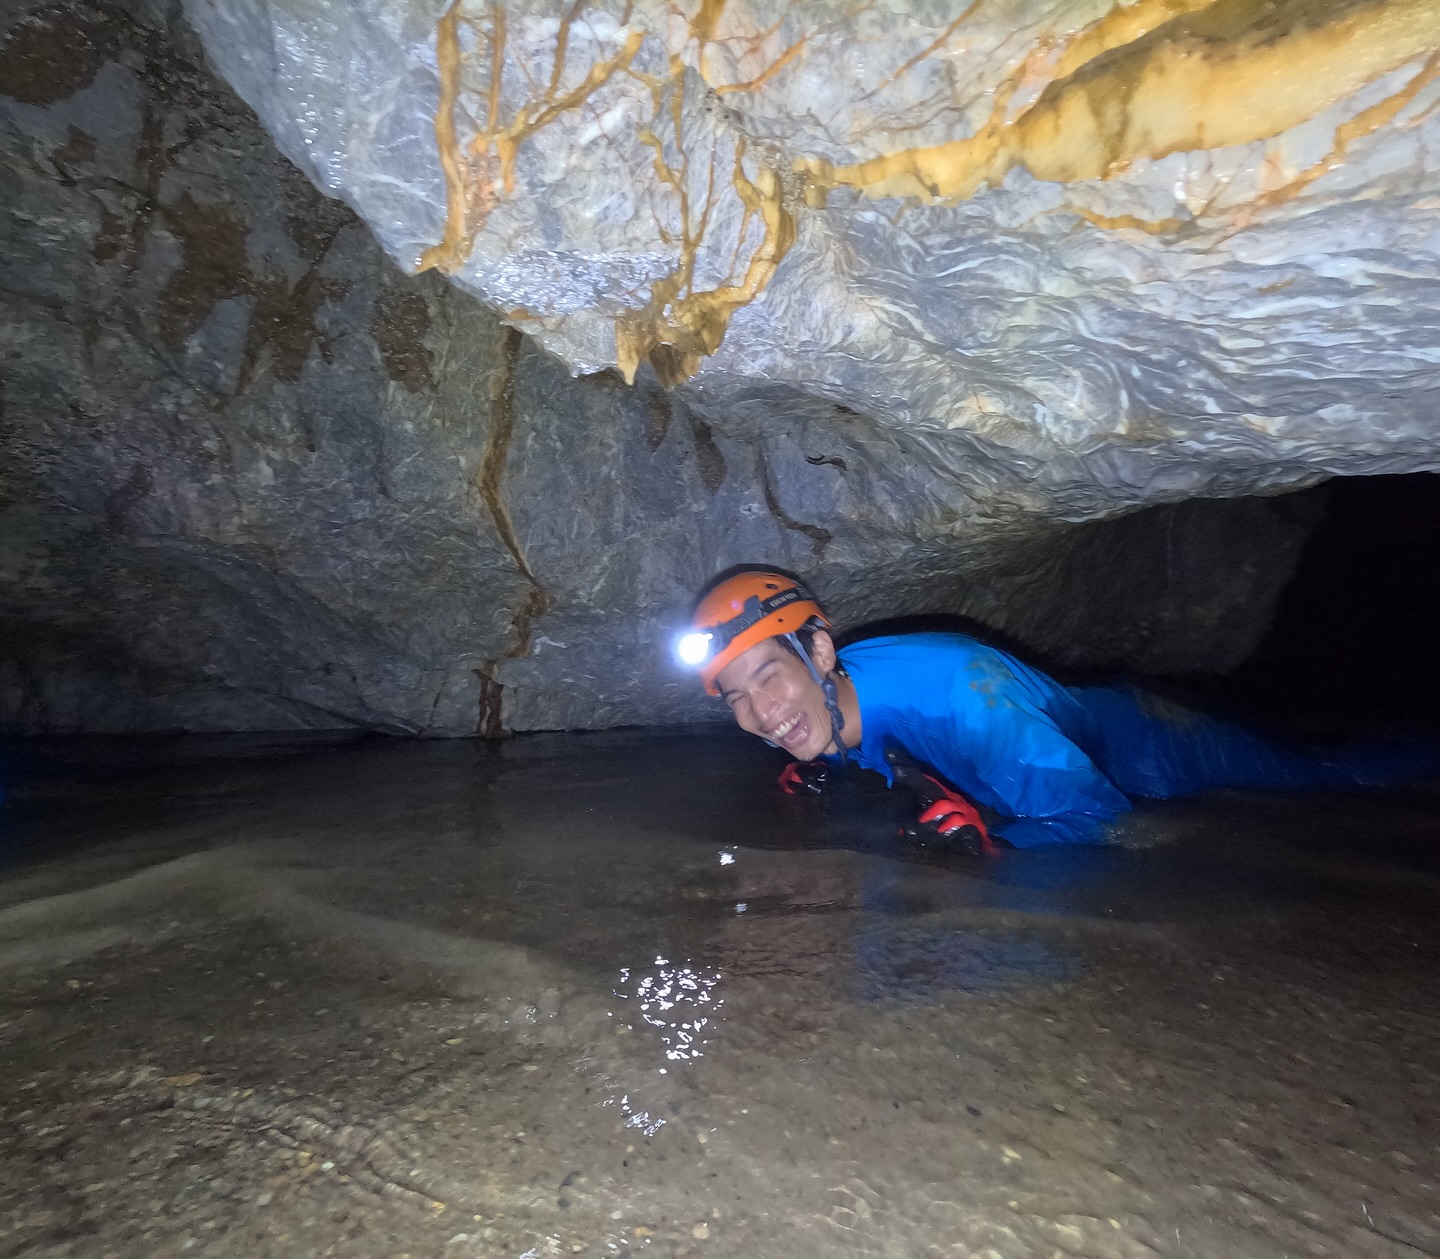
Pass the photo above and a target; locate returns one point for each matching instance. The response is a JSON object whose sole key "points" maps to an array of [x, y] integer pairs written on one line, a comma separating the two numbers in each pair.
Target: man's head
{"points": [[772, 693], [760, 640]]}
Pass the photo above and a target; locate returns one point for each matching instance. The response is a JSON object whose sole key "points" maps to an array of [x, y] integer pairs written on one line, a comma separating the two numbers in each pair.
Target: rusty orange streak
{"points": [[1211, 76], [707, 17], [785, 58], [680, 325], [562, 44], [497, 65], [939, 42], [447, 59], [770, 71], [1114, 222], [471, 177], [535, 116]]}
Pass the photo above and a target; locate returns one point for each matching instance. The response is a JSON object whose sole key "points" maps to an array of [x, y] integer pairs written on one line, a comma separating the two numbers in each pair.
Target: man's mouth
{"points": [[790, 732]]}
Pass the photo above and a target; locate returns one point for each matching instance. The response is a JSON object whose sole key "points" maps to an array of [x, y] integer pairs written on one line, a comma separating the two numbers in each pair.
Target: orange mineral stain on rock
{"points": [[1363, 124], [478, 174], [934, 46], [1144, 80], [1123, 25], [680, 325], [707, 17], [743, 37], [786, 57], [458, 238], [1159, 77], [1119, 222]]}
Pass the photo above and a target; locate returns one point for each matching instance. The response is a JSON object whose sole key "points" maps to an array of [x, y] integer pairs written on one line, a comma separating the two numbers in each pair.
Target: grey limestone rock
{"points": [[253, 476]]}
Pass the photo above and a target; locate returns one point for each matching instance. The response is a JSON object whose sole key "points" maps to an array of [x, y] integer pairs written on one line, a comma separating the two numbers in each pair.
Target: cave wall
{"points": [[252, 476]]}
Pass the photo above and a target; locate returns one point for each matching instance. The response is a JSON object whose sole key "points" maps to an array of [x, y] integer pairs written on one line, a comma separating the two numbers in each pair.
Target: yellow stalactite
{"points": [[1231, 73]]}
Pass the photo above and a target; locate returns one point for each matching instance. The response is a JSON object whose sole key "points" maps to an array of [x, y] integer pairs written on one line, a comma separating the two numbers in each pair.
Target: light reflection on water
{"points": [[674, 1000], [678, 1001]]}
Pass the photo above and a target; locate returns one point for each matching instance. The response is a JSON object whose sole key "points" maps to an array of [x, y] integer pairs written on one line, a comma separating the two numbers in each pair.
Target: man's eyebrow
{"points": [[750, 677]]}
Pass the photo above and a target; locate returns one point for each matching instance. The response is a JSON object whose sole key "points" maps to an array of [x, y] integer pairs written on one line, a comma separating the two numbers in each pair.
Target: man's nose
{"points": [[765, 707]]}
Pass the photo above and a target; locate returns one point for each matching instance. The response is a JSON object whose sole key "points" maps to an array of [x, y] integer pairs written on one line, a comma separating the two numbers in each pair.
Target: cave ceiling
{"points": [[1092, 255]]}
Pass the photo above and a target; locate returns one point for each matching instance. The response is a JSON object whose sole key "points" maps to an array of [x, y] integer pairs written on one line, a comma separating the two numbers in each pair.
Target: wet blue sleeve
{"points": [[1157, 748], [1012, 758]]}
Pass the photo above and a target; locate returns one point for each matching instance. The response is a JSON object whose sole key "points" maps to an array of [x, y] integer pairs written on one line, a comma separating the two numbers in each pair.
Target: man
{"points": [[1054, 764]]}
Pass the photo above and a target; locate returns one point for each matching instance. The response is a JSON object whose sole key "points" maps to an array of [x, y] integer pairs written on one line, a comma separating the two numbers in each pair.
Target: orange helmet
{"points": [[741, 611]]}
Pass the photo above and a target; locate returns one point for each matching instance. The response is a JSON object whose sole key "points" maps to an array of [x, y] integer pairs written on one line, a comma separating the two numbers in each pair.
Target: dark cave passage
{"points": [[1353, 641]]}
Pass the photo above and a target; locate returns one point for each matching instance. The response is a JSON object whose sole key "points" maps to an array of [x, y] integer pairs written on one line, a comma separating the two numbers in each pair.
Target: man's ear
{"points": [[822, 653]]}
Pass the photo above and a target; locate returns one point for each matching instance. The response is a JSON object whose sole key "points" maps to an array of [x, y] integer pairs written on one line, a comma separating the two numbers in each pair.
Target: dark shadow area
{"points": [[1353, 640], [62, 795], [1352, 643]]}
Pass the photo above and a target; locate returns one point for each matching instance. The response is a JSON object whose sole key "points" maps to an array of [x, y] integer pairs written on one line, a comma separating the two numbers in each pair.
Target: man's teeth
{"points": [[784, 728]]}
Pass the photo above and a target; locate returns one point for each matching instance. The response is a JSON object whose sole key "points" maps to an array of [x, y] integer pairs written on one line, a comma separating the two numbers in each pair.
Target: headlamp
{"points": [[694, 648]]}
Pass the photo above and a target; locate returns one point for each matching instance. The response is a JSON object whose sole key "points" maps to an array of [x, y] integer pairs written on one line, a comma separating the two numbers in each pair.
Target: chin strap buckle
{"points": [[832, 699]]}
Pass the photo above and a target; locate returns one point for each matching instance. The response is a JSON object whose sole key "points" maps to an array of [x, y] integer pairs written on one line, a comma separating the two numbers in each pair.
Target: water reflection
{"points": [[642, 1120], [678, 1002]]}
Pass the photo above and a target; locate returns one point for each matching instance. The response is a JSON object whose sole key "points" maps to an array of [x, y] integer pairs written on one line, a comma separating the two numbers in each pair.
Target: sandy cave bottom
{"points": [[612, 994]]}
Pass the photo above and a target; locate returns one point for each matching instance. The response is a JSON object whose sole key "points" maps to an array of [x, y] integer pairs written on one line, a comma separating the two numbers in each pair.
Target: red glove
{"points": [[803, 778], [951, 814]]}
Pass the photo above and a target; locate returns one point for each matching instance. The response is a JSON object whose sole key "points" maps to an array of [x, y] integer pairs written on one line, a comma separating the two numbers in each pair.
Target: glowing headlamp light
{"points": [[694, 649]]}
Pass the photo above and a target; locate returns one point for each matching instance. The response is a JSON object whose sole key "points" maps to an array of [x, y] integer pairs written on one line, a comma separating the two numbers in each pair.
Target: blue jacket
{"points": [[1060, 762]]}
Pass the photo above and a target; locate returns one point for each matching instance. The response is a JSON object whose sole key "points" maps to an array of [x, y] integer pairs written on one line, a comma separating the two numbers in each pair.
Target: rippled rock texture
{"points": [[1097, 253], [253, 476]]}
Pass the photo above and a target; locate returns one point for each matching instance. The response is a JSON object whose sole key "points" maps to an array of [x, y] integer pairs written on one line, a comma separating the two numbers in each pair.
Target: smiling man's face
{"points": [[771, 694]]}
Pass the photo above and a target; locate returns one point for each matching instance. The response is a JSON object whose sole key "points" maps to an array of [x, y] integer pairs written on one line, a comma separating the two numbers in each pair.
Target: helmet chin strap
{"points": [[832, 699]]}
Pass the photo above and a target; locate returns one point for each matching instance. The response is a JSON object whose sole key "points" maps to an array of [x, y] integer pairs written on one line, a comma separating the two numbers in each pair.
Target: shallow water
{"points": [[612, 994]]}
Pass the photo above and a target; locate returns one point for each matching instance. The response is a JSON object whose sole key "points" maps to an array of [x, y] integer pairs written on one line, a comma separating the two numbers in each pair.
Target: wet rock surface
{"points": [[1093, 253], [254, 477], [381, 999]]}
